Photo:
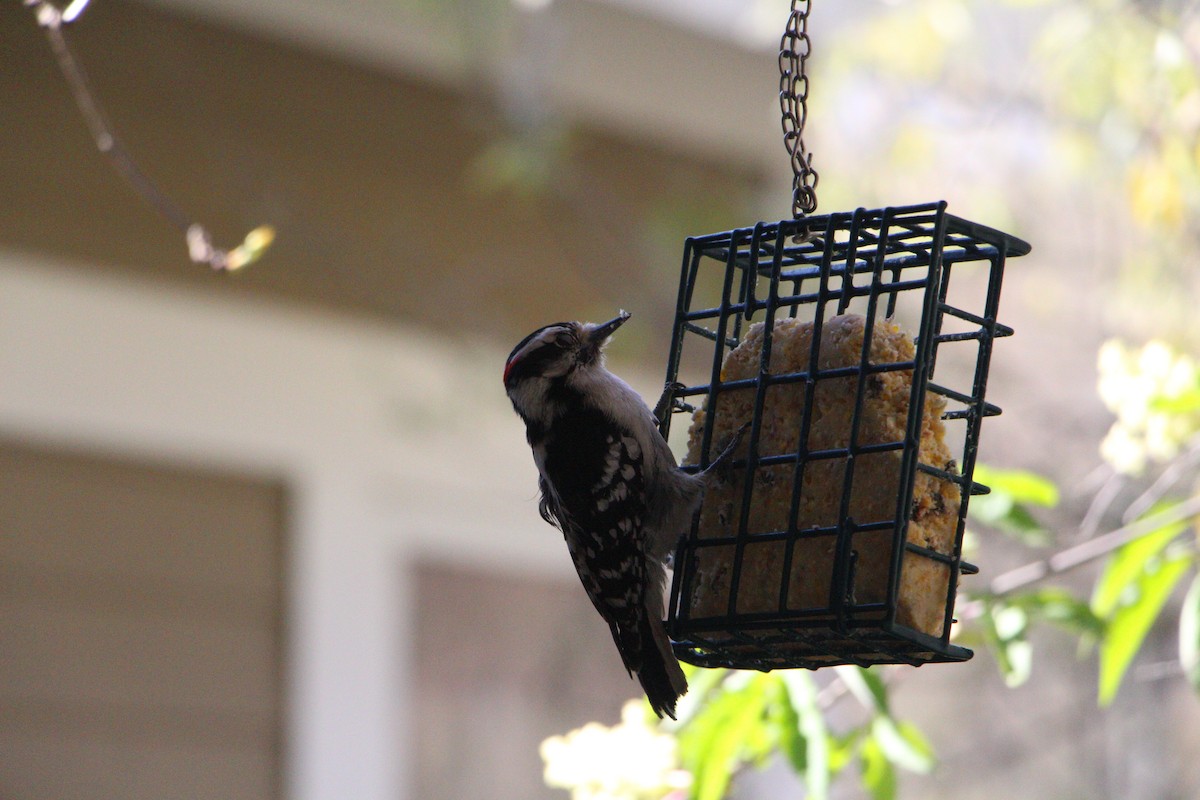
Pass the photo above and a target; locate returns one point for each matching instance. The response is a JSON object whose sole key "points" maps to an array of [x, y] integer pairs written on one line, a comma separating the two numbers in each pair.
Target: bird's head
{"points": [[557, 352]]}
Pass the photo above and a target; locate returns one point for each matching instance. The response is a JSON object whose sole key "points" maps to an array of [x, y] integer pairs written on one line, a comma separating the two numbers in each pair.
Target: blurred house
{"points": [[274, 534]]}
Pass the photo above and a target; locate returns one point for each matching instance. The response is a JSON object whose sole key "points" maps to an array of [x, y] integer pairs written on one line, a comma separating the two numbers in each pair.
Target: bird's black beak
{"points": [[596, 335], [599, 334]]}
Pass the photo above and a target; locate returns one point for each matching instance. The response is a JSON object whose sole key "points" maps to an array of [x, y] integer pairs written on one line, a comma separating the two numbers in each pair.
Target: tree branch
{"points": [[200, 247], [1092, 549]]}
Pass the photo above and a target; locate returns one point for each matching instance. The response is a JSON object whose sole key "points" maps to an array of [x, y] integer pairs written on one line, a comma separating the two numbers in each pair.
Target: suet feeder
{"points": [[852, 352]]}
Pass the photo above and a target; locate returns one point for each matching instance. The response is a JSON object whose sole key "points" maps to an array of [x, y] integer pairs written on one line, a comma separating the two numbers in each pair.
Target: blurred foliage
{"points": [[1145, 561], [733, 720], [1130, 596], [1005, 622], [1102, 96], [1007, 506], [1154, 391]]}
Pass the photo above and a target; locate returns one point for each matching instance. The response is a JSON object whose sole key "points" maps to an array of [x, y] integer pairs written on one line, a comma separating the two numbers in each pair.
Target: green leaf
{"points": [[842, 749], [786, 721], [1010, 621], [728, 729], [1005, 627], [1189, 634], [866, 686], [1018, 662], [902, 745], [803, 693], [759, 736], [1006, 621], [698, 739], [877, 773], [874, 682], [1130, 562], [1128, 625], [917, 741], [1182, 403], [1021, 486], [1006, 507], [700, 683], [1056, 605], [1016, 521], [712, 764], [713, 775]]}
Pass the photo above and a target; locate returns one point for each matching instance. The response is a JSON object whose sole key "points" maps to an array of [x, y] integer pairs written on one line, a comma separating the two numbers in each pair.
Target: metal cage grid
{"points": [[891, 263]]}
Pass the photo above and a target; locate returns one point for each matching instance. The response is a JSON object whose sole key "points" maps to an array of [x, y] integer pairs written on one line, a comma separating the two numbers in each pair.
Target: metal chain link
{"points": [[794, 49]]}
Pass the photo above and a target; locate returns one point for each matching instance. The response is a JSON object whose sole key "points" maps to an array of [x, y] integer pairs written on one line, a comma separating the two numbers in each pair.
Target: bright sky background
{"points": [[755, 23]]}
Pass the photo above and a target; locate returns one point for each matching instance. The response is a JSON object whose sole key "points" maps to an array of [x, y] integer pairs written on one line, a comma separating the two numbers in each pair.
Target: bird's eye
{"points": [[564, 340]]}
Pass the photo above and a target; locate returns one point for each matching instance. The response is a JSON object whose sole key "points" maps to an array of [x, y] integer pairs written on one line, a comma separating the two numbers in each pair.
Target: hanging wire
{"points": [[794, 49]]}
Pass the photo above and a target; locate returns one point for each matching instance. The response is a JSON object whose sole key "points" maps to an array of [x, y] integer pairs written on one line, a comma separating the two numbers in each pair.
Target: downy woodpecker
{"points": [[609, 481]]}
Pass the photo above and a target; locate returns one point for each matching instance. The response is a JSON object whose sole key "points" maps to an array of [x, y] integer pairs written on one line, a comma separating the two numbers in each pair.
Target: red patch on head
{"points": [[508, 365]]}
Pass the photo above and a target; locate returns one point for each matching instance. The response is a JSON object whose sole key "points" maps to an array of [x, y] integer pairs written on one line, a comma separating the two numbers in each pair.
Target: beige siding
{"points": [[502, 663], [140, 622]]}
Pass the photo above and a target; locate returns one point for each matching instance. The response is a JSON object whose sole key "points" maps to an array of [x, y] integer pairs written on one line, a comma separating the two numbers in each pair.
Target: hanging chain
{"points": [[794, 49]]}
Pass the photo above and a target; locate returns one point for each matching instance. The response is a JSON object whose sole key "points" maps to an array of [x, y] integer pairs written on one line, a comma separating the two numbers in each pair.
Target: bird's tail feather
{"points": [[659, 673]]}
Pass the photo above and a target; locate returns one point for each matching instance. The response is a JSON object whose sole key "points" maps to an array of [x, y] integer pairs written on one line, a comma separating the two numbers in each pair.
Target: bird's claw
{"points": [[667, 401], [721, 463]]}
